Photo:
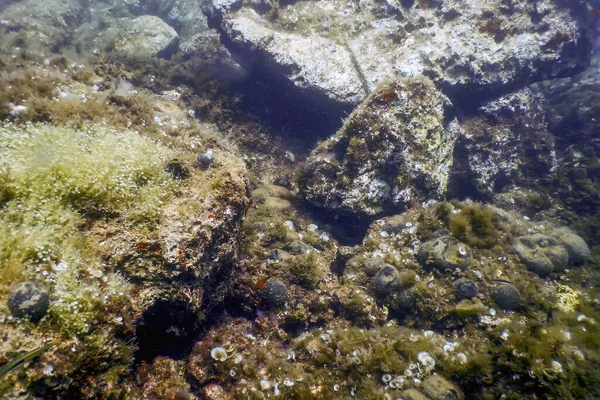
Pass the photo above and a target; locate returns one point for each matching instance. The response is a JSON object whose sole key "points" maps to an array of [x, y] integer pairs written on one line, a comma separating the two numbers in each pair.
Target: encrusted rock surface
{"points": [[146, 35], [394, 151], [463, 46], [506, 144]]}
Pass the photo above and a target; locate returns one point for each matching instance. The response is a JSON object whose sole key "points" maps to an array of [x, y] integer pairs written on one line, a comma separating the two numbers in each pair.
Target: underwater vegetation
{"points": [[148, 254]]}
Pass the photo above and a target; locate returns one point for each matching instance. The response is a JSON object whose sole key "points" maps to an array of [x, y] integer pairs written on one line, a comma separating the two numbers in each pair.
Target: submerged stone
{"points": [[541, 254], [385, 281], [412, 394], [204, 160], [29, 300], [507, 297], [439, 388], [465, 289], [273, 295], [574, 244], [445, 253]]}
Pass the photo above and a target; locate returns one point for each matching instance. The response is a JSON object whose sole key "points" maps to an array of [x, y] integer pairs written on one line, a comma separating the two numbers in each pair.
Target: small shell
{"points": [[288, 382], [556, 366], [265, 384], [219, 354]]}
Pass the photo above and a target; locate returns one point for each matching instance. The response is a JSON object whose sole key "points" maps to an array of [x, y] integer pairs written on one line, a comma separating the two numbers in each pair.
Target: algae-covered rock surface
{"points": [[464, 46], [393, 151], [299, 200]]}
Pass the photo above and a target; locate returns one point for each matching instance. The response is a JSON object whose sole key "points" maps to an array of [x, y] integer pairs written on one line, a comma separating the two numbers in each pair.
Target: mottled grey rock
{"points": [[504, 146], [273, 295], [541, 254], [445, 253], [372, 265], [464, 46], [29, 300], [465, 289], [574, 244], [204, 160], [385, 281], [298, 247], [394, 150], [146, 35], [507, 297], [310, 62], [406, 301], [439, 388]]}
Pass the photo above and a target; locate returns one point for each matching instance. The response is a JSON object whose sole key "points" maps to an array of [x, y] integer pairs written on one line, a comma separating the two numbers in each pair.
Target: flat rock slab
{"points": [[344, 50]]}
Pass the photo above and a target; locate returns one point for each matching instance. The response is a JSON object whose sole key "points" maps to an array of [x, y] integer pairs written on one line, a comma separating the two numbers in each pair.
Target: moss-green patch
{"points": [[304, 270], [476, 225]]}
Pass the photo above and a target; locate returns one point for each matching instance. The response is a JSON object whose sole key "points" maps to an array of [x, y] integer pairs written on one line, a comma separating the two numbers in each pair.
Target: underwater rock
{"points": [[273, 295], [214, 391], [504, 146], [467, 47], [146, 35], [372, 265], [445, 253], [507, 297], [310, 62], [541, 254], [385, 281], [164, 379], [394, 150], [204, 160], [412, 394], [576, 247], [465, 289], [439, 388], [29, 300]]}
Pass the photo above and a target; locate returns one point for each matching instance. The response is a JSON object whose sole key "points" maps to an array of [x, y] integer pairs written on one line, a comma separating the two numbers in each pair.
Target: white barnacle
{"points": [[265, 384], [426, 360], [288, 382], [556, 367], [219, 354], [448, 347]]}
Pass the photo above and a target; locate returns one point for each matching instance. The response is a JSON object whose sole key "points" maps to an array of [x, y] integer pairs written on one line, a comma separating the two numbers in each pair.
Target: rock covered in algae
{"points": [[465, 289], [273, 295], [505, 145], [577, 248], [29, 300], [146, 35], [507, 297], [386, 280], [439, 388], [171, 240], [465, 46], [394, 150], [445, 253], [541, 254]]}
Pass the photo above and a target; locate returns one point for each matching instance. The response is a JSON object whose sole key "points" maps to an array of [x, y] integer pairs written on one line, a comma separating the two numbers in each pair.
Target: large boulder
{"points": [[393, 151], [145, 35], [344, 50]]}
